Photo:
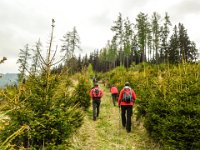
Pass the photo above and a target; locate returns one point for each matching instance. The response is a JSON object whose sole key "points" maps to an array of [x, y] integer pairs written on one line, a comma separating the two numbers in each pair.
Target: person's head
{"points": [[96, 85], [127, 84]]}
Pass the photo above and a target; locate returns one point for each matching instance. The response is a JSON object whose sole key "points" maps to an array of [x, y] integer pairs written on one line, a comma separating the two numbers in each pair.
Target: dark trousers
{"points": [[126, 113], [96, 108], [114, 98]]}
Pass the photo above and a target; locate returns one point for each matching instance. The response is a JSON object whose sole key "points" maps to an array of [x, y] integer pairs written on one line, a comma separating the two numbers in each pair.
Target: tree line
{"points": [[150, 39]]}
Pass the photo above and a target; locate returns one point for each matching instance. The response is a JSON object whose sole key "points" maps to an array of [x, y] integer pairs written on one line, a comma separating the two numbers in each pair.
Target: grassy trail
{"points": [[106, 133]]}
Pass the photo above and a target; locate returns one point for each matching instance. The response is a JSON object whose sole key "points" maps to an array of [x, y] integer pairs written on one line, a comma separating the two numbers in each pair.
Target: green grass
{"points": [[106, 133]]}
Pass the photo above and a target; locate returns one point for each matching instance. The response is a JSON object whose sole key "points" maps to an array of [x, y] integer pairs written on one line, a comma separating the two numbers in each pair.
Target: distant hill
{"points": [[8, 79]]}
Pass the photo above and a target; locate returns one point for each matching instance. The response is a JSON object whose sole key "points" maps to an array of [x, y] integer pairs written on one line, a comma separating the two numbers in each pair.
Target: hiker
{"points": [[114, 93], [126, 101], [96, 93], [94, 80]]}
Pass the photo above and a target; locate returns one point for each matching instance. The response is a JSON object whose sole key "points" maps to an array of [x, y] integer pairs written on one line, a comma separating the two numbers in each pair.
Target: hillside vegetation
{"points": [[107, 133], [168, 100], [166, 112]]}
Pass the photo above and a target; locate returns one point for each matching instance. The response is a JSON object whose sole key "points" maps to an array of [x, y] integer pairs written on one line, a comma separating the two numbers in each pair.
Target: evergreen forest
{"points": [[50, 107]]}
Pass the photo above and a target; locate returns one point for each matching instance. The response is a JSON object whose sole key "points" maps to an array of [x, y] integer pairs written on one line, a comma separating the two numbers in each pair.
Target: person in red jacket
{"points": [[96, 94], [126, 101], [114, 93]]}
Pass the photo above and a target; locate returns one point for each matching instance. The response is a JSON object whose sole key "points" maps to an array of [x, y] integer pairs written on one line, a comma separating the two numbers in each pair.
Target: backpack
{"points": [[96, 93], [127, 95]]}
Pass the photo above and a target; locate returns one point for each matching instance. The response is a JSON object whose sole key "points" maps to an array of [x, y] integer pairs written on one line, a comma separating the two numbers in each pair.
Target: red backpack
{"points": [[127, 95], [96, 93]]}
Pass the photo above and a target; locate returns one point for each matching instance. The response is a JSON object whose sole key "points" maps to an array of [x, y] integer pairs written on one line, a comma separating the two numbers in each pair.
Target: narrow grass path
{"points": [[106, 133]]}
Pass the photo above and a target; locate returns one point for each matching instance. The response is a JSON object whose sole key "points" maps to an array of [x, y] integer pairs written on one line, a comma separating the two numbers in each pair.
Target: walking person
{"points": [[114, 93], [94, 80], [96, 94], [126, 101]]}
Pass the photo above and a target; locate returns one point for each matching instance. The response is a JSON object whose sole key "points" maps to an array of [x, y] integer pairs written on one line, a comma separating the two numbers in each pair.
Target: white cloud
{"points": [[25, 21]]}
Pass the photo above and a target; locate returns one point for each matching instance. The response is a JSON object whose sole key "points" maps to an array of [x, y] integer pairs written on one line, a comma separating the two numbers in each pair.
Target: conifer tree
{"points": [[193, 52], [149, 44], [164, 38], [174, 56], [128, 34], [66, 46], [75, 41], [184, 43], [104, 58], [44, 110], [112, 51], [142, 27], [35, 59], [155, 35], [79, 65], [24, 56], [90, 71], [71, 42], [118, 30]]}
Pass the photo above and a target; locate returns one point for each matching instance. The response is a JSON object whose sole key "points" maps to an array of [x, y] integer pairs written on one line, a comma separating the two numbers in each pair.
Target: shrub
{"points": [[168, 99], [172, 111], [51, 117], [81, 92]]}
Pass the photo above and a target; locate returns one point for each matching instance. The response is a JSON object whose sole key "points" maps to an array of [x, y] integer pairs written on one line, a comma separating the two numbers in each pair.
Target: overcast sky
{"points": [[25, 21]]}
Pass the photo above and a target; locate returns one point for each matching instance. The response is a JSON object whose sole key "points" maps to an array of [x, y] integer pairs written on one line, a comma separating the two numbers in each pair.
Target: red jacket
{"points": [[120, 102], [113, 90], [91, 92]]}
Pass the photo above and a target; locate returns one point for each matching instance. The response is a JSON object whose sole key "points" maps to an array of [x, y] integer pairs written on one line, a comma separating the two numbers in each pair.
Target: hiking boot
{"points": [[128, 131], [94, 118], [124, 125]]}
